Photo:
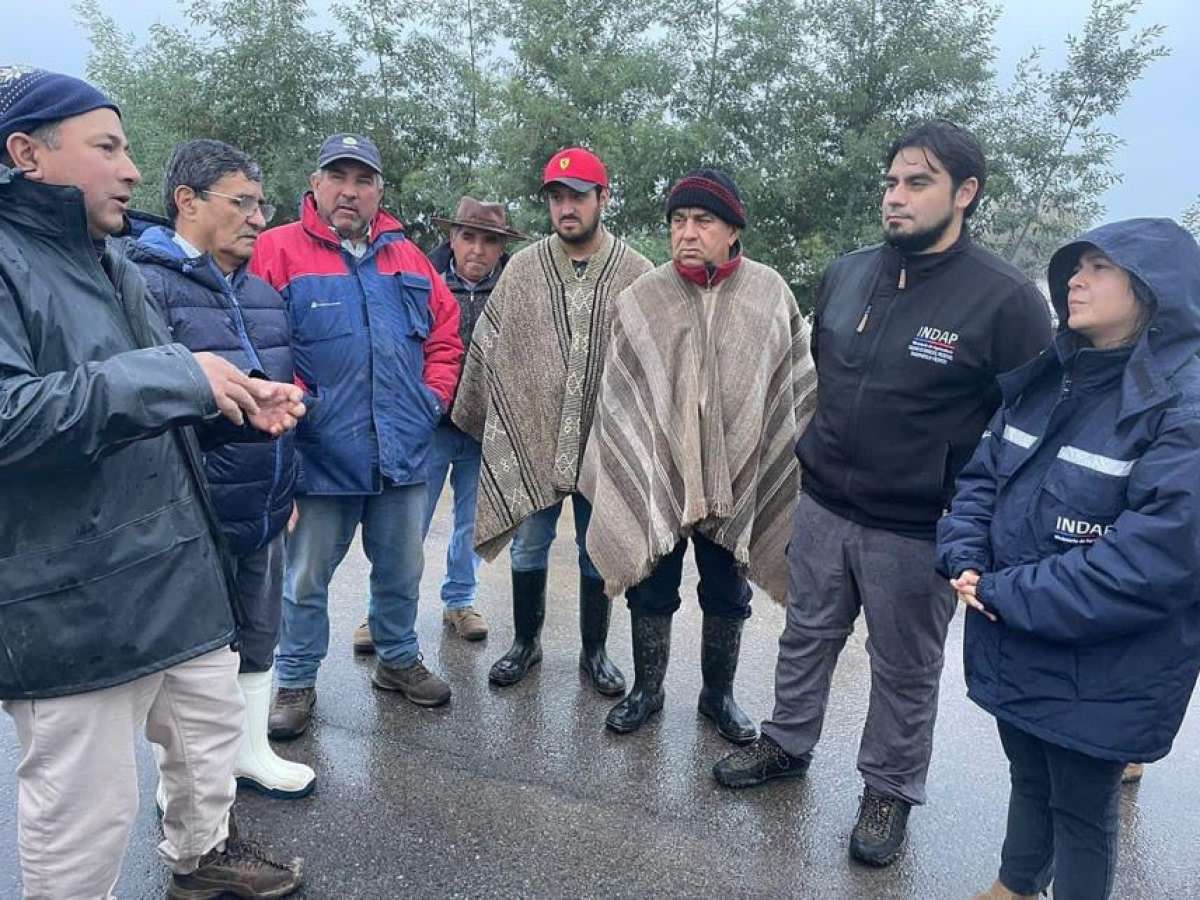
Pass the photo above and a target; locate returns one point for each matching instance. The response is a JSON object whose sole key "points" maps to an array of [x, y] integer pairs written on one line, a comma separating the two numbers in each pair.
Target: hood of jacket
{"points": [[1166, 259], [156, 246]]}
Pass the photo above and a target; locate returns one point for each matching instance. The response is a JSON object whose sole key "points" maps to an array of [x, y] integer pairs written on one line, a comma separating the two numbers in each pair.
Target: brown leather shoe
{"points": [[467, 623], [362, 640], [415, 682], [241, 870], [291, 713], [999, 892], [1133, 773]]}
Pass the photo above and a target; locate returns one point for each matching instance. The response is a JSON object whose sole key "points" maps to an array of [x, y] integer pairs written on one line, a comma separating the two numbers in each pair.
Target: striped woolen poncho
{"points": [[704, 394], [529, 385]]}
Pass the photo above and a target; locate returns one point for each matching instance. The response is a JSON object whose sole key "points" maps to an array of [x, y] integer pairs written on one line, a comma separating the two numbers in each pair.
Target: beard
{"points": [[921, 240], [580, 237]]}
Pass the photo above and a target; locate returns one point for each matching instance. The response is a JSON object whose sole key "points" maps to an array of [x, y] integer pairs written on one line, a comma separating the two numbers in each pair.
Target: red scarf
{"points": [[708, 276]]}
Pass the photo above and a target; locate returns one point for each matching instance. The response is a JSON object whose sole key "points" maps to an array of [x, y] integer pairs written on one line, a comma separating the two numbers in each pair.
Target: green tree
{"points": [[231, 73], [1051, 153]]}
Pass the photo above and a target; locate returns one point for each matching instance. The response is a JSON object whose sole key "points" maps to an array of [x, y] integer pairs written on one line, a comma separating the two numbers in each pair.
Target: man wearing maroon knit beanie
{"points": [[707, 382], [116, 616]]}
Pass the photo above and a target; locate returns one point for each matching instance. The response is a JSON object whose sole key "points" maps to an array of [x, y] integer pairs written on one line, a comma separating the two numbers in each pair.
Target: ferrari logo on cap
{"points": [[564, 162]]}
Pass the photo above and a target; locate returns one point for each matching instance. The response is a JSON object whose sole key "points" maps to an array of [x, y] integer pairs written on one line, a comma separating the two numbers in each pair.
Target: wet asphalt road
{"points": [[521, 792]]}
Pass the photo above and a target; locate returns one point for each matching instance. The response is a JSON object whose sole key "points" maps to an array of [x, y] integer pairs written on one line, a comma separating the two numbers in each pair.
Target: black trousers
{"points": [[1063, 819], [723, 590]]}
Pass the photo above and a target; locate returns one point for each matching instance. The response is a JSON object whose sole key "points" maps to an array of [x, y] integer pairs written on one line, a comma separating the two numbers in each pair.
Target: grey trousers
{"points": [[836, 568]]}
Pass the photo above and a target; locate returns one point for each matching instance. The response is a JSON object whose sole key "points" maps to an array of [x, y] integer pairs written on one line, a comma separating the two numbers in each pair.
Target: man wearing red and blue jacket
{"points": [[375, 337]]}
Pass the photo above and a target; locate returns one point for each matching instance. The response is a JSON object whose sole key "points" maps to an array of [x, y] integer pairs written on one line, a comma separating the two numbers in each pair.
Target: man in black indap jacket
{"points": [[908, 339]]}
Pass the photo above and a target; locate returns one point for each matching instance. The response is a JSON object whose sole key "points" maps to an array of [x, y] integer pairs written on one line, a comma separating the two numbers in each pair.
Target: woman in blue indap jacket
{"points": [[1074, 539]]}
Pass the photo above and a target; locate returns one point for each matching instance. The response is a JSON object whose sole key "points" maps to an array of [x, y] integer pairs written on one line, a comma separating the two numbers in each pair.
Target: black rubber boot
{"points": [[529, 611], [720, 644], [595, 609], [651, 652]]}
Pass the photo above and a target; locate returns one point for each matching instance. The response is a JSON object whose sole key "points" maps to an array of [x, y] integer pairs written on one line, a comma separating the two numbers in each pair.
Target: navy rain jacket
{"points": [[243, 320], [1082, 509]]}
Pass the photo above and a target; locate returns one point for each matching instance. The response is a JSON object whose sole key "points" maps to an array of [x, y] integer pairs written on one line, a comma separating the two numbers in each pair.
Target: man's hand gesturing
{"points": [[269, 406]]}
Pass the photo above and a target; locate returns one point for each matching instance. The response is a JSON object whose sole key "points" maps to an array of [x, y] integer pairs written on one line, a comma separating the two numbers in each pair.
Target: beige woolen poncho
{"points": [[703, 396], [529, 384]]}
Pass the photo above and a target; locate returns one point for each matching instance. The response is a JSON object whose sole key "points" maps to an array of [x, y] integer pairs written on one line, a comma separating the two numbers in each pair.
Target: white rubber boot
{"points": [[257, 766]]}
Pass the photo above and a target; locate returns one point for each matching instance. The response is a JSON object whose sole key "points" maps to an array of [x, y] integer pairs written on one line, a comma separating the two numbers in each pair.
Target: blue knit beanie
{"points": [[33, 97]]}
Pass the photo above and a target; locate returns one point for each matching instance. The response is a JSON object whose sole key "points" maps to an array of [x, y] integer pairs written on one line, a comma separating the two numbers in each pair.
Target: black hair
{"points": [[199, 165], [956, 147]]}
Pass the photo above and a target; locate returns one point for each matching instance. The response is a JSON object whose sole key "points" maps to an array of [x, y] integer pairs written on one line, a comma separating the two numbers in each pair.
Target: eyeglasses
{"points": [[247, 205]]}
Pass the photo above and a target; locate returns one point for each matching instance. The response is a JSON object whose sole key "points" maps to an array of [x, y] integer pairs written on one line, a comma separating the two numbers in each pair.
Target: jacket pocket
{"points": [[1076, 506], [103, 611], [320, 320]]}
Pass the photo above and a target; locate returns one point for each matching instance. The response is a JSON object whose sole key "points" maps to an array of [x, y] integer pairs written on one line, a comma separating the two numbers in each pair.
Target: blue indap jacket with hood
{"points": [[1081, 508]]}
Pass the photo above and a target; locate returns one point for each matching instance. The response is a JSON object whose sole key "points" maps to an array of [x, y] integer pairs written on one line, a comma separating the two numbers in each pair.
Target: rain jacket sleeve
{"points": [[964, 533], [1137, 576], [74, 417], [443, 348]]}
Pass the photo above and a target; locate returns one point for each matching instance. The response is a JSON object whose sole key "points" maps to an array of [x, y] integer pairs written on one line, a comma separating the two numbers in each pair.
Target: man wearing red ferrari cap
{"points": [[528, 391]]}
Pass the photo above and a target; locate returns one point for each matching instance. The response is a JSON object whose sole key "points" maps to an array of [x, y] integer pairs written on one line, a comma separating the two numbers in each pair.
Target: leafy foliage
{"points": [[797, 99]]}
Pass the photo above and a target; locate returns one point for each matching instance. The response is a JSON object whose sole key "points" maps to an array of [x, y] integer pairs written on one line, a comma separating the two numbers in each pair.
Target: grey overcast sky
{"points": [[1161, 174]]}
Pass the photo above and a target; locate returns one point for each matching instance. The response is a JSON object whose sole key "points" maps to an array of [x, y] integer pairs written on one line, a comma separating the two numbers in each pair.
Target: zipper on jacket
{"points": [[866, 315], [868, 360]]}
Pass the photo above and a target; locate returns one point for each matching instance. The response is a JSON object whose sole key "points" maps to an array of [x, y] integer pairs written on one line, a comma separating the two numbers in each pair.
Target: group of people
{"points": [[198, 413]]}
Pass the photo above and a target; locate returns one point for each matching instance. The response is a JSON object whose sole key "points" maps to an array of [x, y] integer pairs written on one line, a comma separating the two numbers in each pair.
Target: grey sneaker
{"points": [[879, 834], [291, 713], [415, 682], [241, 869], [758, 763]]}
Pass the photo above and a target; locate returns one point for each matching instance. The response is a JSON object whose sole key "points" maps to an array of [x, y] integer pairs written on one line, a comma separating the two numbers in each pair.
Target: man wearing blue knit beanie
{"points": [[116, 611]]}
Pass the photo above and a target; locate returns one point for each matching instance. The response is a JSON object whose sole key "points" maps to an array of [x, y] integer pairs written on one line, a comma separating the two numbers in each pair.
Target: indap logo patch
{"points": [[1078, 531], [935, 345]]}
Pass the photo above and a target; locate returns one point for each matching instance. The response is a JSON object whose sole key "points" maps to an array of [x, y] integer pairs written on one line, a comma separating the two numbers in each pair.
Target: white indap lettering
{"points": [[937, 334], [1079, 530]]}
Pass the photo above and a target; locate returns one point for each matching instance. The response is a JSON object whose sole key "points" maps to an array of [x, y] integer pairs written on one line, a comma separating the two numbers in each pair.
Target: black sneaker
{"points": [[879, 833], [757, 763], [242, 869]]}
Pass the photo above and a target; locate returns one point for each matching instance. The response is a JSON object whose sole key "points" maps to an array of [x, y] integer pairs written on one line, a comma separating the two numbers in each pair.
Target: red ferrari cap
{"points": [[579, 169]]}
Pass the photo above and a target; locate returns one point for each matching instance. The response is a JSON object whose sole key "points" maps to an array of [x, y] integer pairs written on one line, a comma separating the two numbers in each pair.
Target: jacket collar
{"points": [[708, 275], [55, 211], [919, 267], [385, 228], [157, 246]]}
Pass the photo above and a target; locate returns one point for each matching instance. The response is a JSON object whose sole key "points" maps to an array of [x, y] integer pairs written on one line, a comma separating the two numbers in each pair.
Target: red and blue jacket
{"points": [[375, 340]]}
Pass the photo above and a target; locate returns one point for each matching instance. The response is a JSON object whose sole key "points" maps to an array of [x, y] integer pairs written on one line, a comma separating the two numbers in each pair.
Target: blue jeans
{"points": [[530, 548], [451, 451], [1063, 819], [391, 538]]}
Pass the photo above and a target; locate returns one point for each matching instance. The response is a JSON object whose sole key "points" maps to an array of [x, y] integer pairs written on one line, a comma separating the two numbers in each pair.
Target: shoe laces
{"points": [[251, 855], [418, 670], [876, 813], [763, 750], [291, 696]]}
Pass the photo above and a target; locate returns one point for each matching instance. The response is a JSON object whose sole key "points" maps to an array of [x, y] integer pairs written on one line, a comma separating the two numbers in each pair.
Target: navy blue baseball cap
{"points": [[350, 146]]}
